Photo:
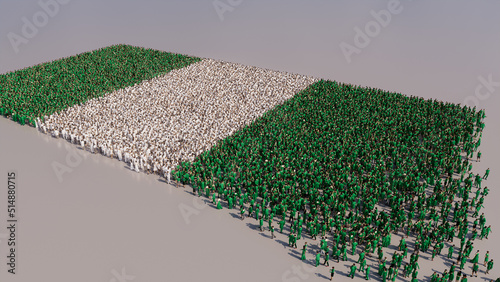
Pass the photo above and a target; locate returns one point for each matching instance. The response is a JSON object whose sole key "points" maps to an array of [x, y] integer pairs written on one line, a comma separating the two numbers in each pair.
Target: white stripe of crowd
{"points": [[157, 124]]}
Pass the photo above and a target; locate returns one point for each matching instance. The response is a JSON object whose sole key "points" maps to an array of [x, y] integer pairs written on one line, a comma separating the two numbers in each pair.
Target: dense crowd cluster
{"points": [[354, 165], [157, 124], [51, 87], [349, 165]]}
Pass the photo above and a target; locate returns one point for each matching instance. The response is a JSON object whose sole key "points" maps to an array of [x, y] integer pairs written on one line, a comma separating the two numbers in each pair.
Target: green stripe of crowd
{"points": [[50, 87], [334, 145], [329, 117]]}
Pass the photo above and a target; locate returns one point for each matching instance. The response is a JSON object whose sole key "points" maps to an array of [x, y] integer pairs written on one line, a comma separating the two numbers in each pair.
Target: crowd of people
{"points": [[353, 166], [159, 123], [44, 89], [347, 164]]}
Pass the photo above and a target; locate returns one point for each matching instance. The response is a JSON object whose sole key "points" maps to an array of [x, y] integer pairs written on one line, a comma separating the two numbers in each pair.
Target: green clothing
{"points": [[353, 271], [476, 258], [361, 256], [450, 252], [282, 224], [318, 257], [490, 265], [354, 244]]}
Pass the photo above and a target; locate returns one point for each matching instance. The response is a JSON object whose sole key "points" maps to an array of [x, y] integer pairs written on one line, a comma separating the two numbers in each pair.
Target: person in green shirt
{"points": [[380, 253], [384, 275], [294, 241], [462, 262], [475, 268], [489, 266], [271, 228], [361, 256], [353, 271], [452, 271], [487, 232], [362, 265], [304, 248], [327, 258], [354, 244], [434, 276], [390, 272], [486, 174], [332, 272], [381, 266], [486, 257], [476, 257], [367, 273], [464, 278], [395, 274], [318, 257], [450, 251], [434, 252]]}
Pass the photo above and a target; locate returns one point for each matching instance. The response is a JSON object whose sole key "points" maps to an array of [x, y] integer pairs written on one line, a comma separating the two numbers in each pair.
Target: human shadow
{"points": [[253, 226], [322, 276], [235, 215], [265, 234], [190, 192], [294, 255], [285, 244]]}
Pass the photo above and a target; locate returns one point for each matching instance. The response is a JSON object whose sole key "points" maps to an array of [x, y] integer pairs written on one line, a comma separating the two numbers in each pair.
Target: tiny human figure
{"points": [[486, 174], [353, 271], [271, 228], [304, 248], [242, 211], [332, 272], [475, 268], [489, 266]]}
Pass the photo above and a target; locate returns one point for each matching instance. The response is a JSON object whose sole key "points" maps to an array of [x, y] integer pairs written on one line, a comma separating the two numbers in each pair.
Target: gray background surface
{"points": [[100, 218]]}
